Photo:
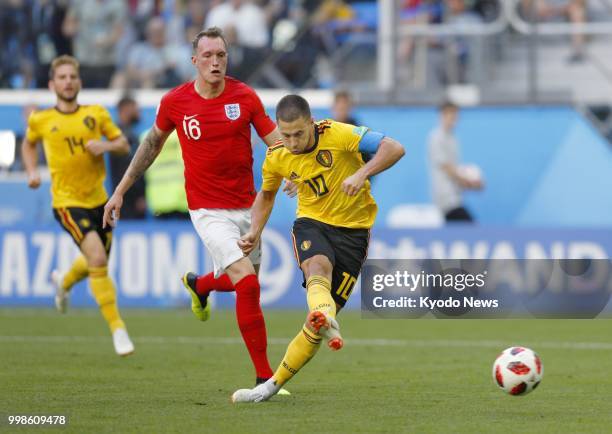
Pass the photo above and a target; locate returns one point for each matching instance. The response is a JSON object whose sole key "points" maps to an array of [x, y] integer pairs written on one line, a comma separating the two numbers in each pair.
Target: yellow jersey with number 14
{"points": [[319, 174], [77, 176]]}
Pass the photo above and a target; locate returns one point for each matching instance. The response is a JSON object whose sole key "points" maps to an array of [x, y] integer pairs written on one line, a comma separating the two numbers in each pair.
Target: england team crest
{"points": [[232, 111]]}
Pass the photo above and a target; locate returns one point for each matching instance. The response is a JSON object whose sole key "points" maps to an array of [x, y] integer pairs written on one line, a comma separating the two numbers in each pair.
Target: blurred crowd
{"points": [[145, 43], [120, 43], [274, 43]]}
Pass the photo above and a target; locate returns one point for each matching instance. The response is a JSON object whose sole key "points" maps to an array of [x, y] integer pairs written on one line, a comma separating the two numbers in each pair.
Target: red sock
{"points": [[252, 324], [207, 283]]}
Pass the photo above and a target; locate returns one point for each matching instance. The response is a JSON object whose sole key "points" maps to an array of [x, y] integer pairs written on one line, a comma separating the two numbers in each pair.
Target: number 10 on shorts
{"points": [[348, 282]]}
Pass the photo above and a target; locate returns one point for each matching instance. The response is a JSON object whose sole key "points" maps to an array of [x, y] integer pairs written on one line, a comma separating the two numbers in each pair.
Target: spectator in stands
{"points": [[489, 10], [16, 44], [141, 11], [96, 27], [573, 11], [245, 27], [151, 63], [49, 41], [186, 15], [305, 33], [448, 178], [333, 10], [182, 55], [20, 134], [273, 9], [342, 111], [245, 19], [334, 21], [458, 47], [414, 12], [450, 55], [134, 206], [342, 108], [295, 44]]}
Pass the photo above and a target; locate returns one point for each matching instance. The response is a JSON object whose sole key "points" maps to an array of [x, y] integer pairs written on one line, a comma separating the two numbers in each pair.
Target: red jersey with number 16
{"points": [[215, 137]]}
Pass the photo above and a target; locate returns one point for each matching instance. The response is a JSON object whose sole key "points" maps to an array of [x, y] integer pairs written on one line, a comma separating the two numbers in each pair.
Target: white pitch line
{"points": [[433, 343]]}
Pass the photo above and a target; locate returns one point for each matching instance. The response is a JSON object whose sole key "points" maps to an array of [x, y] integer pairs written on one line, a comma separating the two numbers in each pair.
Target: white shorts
{"points": [[220, 230]]}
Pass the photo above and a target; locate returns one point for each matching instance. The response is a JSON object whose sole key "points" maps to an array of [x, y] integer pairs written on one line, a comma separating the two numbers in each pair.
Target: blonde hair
{"points": [[63, 60]]}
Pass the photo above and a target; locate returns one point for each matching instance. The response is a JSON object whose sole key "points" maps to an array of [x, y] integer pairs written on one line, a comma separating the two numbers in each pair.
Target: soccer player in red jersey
{"points": [[212, 117]]}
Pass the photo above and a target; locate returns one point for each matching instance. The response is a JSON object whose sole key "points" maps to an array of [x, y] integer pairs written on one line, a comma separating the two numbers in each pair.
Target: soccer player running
{"points": [[212, 116], [71, 135], [334, 215]]}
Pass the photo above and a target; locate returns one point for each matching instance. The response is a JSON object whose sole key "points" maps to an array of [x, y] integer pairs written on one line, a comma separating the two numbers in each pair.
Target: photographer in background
{"points": [[449, 179]]}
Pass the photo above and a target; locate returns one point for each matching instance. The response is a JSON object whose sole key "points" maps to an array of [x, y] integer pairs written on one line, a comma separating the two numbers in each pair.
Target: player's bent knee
{"points": [[239, 270], [97, 260], [93, 250], [318, 265]]}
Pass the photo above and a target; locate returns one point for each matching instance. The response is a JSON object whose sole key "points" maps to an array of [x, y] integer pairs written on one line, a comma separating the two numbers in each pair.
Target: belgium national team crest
{"points": [[89, 122], [232, 111], [305, 245], [324, 158]]}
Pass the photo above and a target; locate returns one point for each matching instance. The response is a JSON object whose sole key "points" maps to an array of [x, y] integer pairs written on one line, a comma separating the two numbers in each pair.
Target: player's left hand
{"points": [[290, 188], [248, 242], [353, 184], [95, 147]]}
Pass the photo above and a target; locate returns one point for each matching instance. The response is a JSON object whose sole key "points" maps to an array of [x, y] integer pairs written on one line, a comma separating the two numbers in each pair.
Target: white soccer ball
{"points": [[471, 172], [518, 370]]}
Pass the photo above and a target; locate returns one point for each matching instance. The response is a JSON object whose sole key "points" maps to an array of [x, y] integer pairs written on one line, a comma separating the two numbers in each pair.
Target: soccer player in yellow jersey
{"points": [[71, 135], [334, 215]]}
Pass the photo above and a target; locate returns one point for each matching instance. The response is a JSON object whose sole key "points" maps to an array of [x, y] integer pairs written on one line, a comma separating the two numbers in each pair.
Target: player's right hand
{"points": [[112, 210], [248, 242], [95, 147], [353, 184], [33, 180]]}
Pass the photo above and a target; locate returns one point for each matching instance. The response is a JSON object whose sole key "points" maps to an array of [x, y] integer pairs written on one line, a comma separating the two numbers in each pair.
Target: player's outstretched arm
{"points": [[388, 153], [29, 157], [146, 153], [260, 213]]}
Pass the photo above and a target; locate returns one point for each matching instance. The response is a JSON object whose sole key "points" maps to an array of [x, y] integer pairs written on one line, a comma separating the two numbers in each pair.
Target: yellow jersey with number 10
{"points": [[77, 176], [319, 174]]}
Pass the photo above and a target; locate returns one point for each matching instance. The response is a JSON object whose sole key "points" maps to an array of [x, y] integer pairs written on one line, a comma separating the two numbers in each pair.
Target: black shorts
{"points": [[345, 248], [79, 221], [459, 214]]}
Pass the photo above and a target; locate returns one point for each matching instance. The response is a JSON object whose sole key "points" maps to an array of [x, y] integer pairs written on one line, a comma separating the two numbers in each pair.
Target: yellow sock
{"points": [[104, 292], [305, 345], [301, 349], [319, 296], [78, 271]]}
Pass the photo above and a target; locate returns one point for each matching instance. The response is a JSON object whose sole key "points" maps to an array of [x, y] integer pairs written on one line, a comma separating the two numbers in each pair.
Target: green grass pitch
{"points": [[392, 375]]}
